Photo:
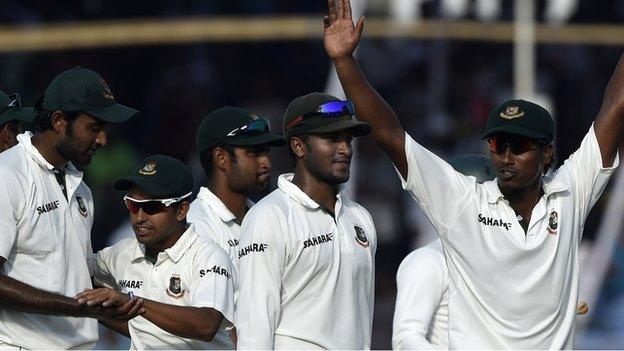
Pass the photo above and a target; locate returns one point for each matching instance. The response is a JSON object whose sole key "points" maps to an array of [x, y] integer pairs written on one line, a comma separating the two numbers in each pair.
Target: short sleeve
{"points": [[103, 274], [13, 193], [584, 171], [437, 187], [213, 285], [262, 257]]}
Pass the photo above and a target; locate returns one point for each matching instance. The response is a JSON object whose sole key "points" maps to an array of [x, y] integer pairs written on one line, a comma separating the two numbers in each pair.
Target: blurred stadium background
{"points": [[442, 64]]}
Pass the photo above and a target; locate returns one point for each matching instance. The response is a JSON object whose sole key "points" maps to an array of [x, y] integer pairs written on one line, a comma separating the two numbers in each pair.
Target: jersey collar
{"points": [[175, 252], [214, 202], [550, 186], [284, 183], [25, 140]]}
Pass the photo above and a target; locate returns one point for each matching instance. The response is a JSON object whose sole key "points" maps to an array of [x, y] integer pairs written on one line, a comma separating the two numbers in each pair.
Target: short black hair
{"points": [[206, 158], [43, 118]]}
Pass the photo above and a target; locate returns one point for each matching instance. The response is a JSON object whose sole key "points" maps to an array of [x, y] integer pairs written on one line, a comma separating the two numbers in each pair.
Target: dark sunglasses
{"points": [[151, 206], [255, 127], [15, 101], [518, 145], [328, 109]]}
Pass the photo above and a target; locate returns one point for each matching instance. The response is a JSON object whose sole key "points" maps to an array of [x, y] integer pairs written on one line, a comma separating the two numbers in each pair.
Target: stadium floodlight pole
{"points": [[524, 49]]}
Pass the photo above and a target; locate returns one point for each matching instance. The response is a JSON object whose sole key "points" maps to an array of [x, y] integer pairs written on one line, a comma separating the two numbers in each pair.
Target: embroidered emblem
{"points": [[175, 287], [82, 208], [360, 236], [553, 222], [512, 112], [149, 169], [106, 92]]}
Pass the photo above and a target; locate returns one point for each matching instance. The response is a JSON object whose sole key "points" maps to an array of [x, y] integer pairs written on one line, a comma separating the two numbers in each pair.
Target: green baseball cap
{"points": [[303, 116], [235, 126], [11, 109], [520, 117], [478, 166], [159, 176], [82, 90]]}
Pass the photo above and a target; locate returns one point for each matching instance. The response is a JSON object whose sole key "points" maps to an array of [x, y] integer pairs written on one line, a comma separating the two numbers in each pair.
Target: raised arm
{"points": [[341, 38], [610, 120]]}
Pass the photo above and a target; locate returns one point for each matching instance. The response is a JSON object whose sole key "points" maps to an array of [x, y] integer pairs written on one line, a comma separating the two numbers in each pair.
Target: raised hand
{"points": [[341, 37]]}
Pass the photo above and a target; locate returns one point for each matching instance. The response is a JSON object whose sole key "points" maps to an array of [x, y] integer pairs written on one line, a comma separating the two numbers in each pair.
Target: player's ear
{"points": [[221, 158], [297, 145], [182, 210], [59, 123]]}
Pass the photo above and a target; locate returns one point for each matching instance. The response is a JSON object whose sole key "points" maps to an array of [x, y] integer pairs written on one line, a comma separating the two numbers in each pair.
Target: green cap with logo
{"points": [[478, 166], [522, 118], [159, 176], [301, 119], [235, 126], [11, 109], [82, 90]]}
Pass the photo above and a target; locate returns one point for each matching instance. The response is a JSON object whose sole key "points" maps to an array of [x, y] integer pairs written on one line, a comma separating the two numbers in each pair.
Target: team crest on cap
{"points": [[149, 169], [107, 92], [553, 222], [511, 112], [175, 287], [360, 236], [82, 208]]}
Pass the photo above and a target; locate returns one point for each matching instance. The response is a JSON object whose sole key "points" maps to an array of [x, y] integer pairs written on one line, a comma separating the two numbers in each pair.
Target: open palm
{"points": [[341, 36]]}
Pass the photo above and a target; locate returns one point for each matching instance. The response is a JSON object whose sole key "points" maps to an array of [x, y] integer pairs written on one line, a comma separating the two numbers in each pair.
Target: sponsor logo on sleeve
{"points": [[493, 222], [320, 239], [215, 270], [50, 206], [254, 247], [553, 222], [232, 242], [175, 287], [360, 236]]}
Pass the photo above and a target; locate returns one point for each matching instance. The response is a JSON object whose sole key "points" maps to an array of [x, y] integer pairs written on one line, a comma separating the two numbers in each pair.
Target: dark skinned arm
{"points": [[16, 295], [609, 123], [201, 323], [341, 38], [117, 326]]}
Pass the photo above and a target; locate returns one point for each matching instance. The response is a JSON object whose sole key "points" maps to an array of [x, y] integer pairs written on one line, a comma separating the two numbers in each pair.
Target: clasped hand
{"points": [[105, 303]]}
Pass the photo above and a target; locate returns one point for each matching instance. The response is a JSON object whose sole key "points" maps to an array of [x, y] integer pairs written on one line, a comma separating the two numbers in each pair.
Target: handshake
{"points": [[108, 304]]}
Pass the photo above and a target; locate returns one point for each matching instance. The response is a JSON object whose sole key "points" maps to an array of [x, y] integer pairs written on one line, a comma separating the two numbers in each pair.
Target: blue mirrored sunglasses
{"points": [[329, 109]]}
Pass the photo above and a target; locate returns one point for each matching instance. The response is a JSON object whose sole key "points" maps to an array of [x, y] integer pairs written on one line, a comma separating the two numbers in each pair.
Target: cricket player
{"points": [[47, 214], [421, 310], [233, 146], [511, 244], [307, 252], [184, 279], [12, 119]]}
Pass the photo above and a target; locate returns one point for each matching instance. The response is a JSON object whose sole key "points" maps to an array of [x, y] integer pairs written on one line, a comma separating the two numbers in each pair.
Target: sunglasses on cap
{"points": [[15, 101], [255, 127], [328, 109], [151, 206], [517, 145]]}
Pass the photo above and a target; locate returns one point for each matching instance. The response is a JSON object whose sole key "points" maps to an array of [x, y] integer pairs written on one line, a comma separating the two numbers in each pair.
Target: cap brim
{"points": [[358, 128], [150, 187], [267, 139], [26, 114], [513, 130], [115, 113]]}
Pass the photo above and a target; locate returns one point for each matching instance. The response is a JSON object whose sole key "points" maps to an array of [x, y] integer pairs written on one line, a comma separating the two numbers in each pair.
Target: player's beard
{"points": [[70, 149], [325, 173], [243, 182]]}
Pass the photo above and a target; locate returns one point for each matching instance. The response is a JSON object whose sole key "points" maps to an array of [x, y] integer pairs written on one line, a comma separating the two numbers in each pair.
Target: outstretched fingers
{"points": [[333, 15]]}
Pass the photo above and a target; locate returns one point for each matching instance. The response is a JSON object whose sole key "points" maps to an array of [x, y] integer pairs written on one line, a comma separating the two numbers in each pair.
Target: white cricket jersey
{"points": [[514, 290], [306, 279], [46, 241], [421, 310], [194, 272], [214, 220]]}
